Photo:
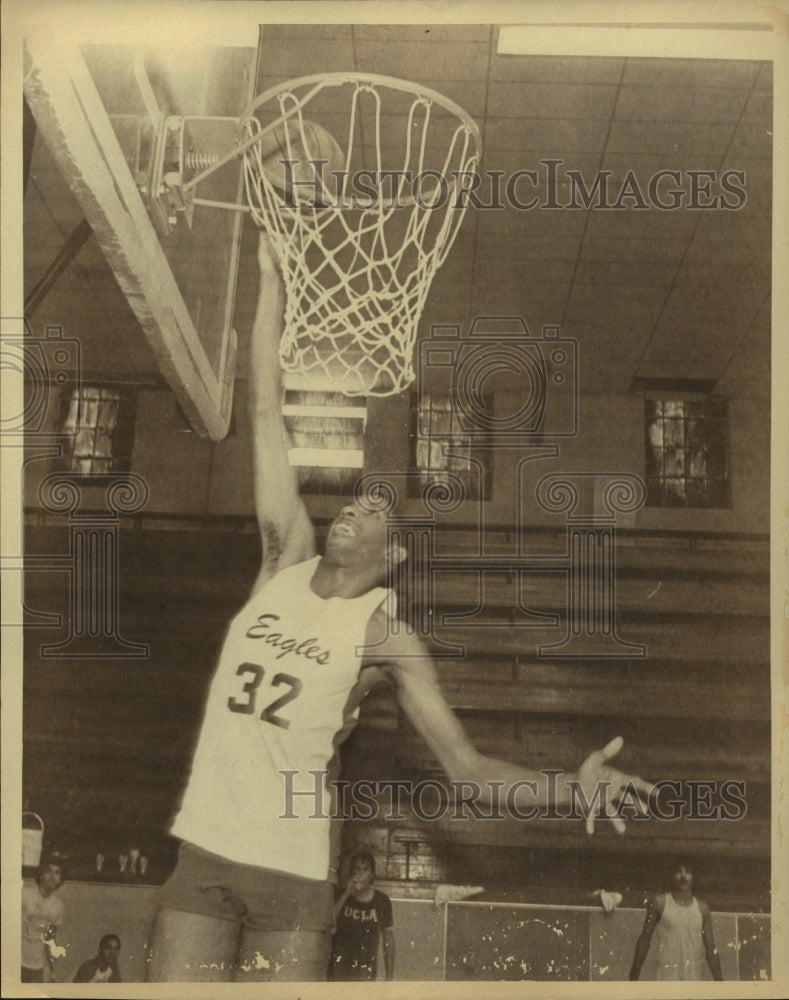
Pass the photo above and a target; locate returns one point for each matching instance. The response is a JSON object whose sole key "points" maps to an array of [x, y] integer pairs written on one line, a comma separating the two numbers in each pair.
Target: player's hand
{"points": [[595, 771]]}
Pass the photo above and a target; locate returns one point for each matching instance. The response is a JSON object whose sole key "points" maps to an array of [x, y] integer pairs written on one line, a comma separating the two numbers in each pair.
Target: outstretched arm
{"points": [[711, 951], [645, 938], [406, 663], [286, 531]]}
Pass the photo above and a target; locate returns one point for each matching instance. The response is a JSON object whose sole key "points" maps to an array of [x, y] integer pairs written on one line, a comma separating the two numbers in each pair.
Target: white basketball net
{"points": [[358, 264]]}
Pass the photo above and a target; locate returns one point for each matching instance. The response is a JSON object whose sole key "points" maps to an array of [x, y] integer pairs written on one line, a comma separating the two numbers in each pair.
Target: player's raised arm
{"points": [[286, 531], [408, 665]]}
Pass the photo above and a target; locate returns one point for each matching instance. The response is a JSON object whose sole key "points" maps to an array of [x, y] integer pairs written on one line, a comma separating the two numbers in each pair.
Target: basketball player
{"points": [[251, 895], [682, 925]]}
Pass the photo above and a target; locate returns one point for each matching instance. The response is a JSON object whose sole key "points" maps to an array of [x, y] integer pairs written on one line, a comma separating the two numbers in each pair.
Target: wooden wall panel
{"points": [[108, 743]]}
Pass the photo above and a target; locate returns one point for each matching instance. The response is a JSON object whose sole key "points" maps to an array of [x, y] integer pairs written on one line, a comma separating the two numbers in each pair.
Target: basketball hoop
{"points": [[360, 183]]}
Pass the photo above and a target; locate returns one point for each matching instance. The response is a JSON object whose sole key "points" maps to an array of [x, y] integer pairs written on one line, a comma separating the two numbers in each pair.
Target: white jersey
{"points": [[277, 702], [680, 945]]}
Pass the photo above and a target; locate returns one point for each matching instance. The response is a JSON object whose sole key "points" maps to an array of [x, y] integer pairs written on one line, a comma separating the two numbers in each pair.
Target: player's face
{"points": [[359, 533]]}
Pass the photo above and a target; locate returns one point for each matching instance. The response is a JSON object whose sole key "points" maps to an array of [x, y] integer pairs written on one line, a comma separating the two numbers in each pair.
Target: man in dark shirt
{"points": [[103, 968], [363, 916]]}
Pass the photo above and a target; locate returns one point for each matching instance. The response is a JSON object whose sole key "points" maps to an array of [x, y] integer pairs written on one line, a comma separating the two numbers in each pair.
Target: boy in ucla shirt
{"points": [[363, 917]]}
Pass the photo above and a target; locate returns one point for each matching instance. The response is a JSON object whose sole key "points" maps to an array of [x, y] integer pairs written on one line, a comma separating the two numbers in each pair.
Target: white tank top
{"points": [[277, 701], [680, 947]]}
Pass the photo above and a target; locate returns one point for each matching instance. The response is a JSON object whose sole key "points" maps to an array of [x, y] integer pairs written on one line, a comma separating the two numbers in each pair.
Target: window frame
{"points": [[662, 397], [121, 437]]}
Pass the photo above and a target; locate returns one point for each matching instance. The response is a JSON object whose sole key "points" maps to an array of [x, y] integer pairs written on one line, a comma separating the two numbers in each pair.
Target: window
{"points": [[439, 446], [685, 442], [98, 422], [326, 431]]}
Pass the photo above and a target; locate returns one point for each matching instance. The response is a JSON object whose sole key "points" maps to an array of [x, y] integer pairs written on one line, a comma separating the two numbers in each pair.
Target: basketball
{"points": [[302, 159]]}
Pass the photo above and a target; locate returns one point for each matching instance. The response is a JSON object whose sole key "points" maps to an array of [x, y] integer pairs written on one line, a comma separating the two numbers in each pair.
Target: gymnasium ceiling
{"points": [[647, 293]]}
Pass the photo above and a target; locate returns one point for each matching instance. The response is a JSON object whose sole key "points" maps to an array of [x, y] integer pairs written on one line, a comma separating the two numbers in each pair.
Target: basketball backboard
{"points": [[128, 127]]}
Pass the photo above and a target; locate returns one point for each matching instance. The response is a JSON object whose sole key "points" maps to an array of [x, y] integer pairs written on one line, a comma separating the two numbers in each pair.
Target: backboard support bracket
{"points": [[62, 95]]}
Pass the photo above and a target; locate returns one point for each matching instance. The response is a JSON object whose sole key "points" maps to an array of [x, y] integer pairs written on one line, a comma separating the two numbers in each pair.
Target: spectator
{"points": [[363, 916], [102, 968], [42, 914], [684, 932]]}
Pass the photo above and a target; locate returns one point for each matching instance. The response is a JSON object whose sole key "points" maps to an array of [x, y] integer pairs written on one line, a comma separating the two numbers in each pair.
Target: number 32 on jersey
{"points": [[245, 702]]}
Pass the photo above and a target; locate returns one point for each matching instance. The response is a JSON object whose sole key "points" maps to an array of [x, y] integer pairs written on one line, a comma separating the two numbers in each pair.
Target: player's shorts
{"points": [[260, 899]]}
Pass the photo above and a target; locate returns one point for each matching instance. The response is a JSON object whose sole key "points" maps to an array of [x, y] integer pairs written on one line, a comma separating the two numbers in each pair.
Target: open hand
{"points": [[595, 770]]}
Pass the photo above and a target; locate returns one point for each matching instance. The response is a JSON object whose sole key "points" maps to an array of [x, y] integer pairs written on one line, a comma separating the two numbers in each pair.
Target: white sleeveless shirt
{"points": [[277, 701], [680, 946]]}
